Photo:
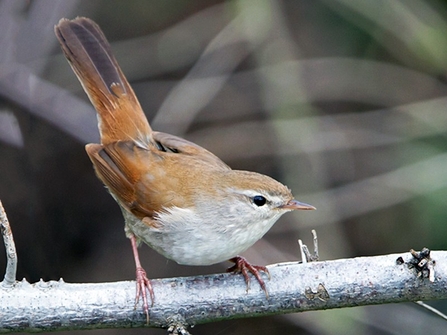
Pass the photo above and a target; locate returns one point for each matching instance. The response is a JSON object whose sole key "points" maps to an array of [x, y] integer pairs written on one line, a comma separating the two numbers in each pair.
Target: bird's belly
{"points": [[192, 243], [188, 250]]}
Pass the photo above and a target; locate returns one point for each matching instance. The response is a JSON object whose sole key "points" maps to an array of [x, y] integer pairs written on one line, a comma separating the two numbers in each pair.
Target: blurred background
{"points": [[342, 100]]}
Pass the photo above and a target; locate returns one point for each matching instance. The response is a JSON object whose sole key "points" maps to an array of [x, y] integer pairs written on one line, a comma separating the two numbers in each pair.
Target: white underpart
{"points": [[215, 235]]}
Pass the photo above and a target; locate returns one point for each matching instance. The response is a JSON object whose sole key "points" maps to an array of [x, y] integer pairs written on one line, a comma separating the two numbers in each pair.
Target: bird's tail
{"points": [[90, 56]]}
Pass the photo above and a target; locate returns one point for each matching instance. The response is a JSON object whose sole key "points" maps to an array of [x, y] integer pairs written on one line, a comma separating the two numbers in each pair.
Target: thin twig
{"points": [[306, 256], [315, 238], [11, 255], [431, 309]]}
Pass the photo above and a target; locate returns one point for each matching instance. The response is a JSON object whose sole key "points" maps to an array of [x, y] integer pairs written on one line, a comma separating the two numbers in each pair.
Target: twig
{"points": [[431, 309], [306, 256], [11, 255]]}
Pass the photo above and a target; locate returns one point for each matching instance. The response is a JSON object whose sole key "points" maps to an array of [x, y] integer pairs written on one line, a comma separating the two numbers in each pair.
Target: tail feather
{"points": [[90, 56]]}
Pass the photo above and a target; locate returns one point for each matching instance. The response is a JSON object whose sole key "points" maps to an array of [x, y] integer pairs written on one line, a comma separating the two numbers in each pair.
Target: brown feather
{"points": [[133, 174], [90, 56]]}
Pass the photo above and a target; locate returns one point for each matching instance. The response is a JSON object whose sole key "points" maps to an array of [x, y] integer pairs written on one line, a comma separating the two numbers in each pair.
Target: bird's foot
{"points": [[144, 285], [241, 265]]}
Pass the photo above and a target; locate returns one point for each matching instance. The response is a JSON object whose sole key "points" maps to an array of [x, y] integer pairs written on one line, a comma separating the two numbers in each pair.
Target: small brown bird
{"points": [[176, 196]]}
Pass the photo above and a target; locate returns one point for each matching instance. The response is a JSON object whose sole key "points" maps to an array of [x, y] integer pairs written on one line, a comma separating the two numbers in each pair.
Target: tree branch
{"points": [[294, 287]]}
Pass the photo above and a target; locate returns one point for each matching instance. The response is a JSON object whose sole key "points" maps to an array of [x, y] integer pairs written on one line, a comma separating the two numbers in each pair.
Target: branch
{"points": [[294, 287]]}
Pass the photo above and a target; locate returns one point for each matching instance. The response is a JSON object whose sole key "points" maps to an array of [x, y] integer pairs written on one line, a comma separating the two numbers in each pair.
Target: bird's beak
{"points": [[294, 204]]}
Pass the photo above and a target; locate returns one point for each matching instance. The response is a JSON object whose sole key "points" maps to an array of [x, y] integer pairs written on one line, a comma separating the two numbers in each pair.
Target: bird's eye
{"points": [[259, 200]]}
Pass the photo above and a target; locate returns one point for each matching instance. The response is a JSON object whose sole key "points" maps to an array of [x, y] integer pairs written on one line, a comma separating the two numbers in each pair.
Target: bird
{"points": [[175, 196]]}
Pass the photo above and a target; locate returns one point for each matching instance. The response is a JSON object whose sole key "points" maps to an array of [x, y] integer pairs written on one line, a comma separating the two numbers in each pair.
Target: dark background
{"points": [[344, 101]]}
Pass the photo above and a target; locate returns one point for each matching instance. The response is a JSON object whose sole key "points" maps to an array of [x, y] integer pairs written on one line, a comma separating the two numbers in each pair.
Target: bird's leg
{"points": [[143, 282]]}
